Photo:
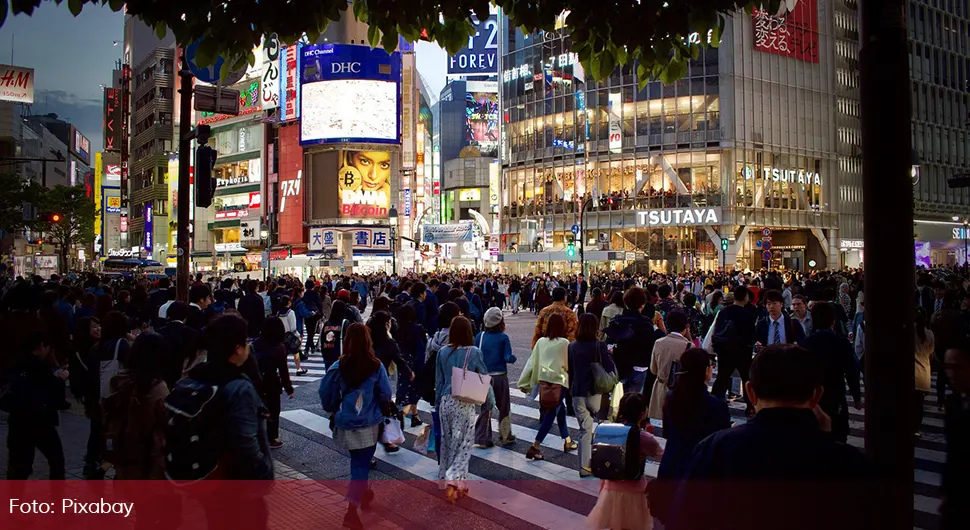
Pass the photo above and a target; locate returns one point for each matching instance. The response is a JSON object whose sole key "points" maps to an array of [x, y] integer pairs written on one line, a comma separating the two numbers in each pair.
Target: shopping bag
{"points": [[423, 440], [392, 433], [615, 400]]}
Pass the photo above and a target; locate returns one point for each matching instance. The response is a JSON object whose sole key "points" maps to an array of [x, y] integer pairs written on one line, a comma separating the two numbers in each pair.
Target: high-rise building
{"points": [[743, 151], [939, 31]]}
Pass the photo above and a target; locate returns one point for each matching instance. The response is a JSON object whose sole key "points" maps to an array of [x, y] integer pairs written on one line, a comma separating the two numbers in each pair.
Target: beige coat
{"points": [[924, 350], [665, 352]]}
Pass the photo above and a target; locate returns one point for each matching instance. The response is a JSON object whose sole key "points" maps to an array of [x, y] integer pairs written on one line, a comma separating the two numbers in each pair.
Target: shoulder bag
{"points": [[603, 381], [469, 387]]}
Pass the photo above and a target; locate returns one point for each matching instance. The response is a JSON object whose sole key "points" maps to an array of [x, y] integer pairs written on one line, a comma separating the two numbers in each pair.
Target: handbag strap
{"points": [[481, 340], [468, 353], [117, 345]]}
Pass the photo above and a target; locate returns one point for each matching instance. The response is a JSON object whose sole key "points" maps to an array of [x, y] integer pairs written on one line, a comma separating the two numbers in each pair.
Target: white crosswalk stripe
{"points": [[563, 499]]}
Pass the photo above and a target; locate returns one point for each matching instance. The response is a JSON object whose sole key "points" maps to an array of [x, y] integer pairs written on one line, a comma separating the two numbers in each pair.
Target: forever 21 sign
{"points": [[480, 56]]}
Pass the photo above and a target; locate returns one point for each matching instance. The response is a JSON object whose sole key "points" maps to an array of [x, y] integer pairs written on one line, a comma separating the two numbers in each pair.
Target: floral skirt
{"points": [[457, 436]]}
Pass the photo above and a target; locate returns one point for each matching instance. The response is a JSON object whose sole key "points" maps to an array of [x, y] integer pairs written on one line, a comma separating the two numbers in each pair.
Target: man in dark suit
{"points": [[200, 297], [253, 310], [777, 328], [956, 495], [780, 469], [839, 366], [182, 341]]}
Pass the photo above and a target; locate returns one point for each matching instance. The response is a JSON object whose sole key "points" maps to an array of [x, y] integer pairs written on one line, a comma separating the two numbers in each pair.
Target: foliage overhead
{"points": [[77, 211], [605, 34], [14, 192]]}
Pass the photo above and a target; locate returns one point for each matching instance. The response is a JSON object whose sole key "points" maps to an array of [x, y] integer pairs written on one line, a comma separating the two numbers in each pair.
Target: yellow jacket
{"points": [[548, 363]]}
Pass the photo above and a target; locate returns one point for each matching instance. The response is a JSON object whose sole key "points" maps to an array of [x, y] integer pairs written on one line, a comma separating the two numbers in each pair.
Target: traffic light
{"points": [[571, 250], [55, 217], [205, 185], [724, 244]]}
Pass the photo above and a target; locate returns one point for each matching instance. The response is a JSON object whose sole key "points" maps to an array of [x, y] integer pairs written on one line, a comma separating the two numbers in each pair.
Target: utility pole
{"points": [[185, 162], [887, 187]]}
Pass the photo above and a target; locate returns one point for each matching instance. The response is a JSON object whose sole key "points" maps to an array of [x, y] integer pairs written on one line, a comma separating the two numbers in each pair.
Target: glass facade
{"points": [[744, 132]]}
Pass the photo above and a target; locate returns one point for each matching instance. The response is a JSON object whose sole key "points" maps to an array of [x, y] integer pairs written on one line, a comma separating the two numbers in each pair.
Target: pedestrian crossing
{"points": [[550, 493]]}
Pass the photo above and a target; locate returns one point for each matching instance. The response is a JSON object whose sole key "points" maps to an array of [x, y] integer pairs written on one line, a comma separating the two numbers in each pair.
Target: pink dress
{"points": [[622, 504]]}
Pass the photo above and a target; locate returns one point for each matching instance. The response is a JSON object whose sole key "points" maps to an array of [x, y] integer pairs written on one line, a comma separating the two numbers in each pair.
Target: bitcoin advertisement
{"points": [[364, 184]]}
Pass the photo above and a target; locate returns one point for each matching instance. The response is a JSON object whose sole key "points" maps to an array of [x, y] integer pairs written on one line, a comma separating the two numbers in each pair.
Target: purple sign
{"points": [[148, 229], [923, 254]]}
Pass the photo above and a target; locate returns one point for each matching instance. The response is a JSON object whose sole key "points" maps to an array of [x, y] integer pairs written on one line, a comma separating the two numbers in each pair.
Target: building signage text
{"points": [[679, 217], [364, 238], [793, 176]]}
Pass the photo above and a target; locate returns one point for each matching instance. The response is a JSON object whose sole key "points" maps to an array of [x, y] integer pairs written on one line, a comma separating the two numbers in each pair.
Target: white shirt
{"points": [[771, 329], [163, 310], [289, 321]]}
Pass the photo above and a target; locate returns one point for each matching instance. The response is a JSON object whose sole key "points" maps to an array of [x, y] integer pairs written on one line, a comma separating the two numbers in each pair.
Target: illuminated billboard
{"points": [[349, 94], [793, 32], [364, 184], [481, 122]]}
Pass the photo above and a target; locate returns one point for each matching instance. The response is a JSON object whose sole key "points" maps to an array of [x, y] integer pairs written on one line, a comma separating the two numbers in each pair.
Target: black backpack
{"points": [[192, 439], [615, 453], [725, 334]]}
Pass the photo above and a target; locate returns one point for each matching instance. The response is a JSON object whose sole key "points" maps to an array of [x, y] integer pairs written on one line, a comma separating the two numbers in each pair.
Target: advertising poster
{"points": [[16, 84], [364, 183], [290, 228], [480, 56], [349, 94], [112, 175], [450, 233], [81, 146], [250, 101], [149, 225], [793, 32], [409, 112], [616, 127], [173, 200], [923, 254], [481, 122], [270, 97]]}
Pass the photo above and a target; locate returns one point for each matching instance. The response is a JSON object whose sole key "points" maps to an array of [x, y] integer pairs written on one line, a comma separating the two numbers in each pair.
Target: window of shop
{"points": [[244, 172]]}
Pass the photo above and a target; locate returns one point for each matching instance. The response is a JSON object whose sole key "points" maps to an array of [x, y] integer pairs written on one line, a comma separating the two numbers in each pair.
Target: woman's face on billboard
{"points": [[374, 167]]}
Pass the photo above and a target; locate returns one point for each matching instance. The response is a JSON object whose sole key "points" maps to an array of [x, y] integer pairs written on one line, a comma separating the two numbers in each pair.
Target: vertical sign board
{"points": [[408, 111], [16, 84], [98, 168], [480, 55], [112, 119], [792, 33], [290, 82], [291, 210], [616, 127], [148, 229], [270, 98]]}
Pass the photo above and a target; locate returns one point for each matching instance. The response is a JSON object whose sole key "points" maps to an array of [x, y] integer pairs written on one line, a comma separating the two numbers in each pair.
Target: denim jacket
{"points": [[496, 350], [374, 391]]}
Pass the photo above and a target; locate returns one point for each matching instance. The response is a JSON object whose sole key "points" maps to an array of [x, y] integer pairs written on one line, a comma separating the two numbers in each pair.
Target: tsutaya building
{"points": [[753, 145]]}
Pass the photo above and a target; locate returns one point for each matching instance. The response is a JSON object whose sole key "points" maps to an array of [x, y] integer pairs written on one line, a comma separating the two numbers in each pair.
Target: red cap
{"points": [[344, 295]]}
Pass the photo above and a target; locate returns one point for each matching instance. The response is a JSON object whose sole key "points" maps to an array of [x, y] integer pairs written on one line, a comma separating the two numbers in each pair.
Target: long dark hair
{"points": [[378, 327], [689, 389], [357, 360], [147, 361], [632, 407]]}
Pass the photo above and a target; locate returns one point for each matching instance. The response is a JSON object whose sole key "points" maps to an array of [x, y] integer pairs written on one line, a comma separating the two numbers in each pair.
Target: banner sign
{"points": [[480, 56], [365, 238], [16, 84], [450, 233], [616, 127], [349, 93], [112, 204], [409, 112], [271, 72], [407, 202], [112, 120], [148, 228], [289, 83], [792, 33], [679, 217]]}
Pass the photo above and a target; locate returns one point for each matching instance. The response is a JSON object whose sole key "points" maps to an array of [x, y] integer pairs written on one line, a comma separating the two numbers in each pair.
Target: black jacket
{"points": [[252, 309], [35, 393], [634, 335], [779, 470], [197, 318], [273, 368], [742, 319], [956, 508], [183, 347]]}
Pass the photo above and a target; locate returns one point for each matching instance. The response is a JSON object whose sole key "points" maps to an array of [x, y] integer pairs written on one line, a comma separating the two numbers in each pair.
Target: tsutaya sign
{"points": [[794, 176], [679, 217]]}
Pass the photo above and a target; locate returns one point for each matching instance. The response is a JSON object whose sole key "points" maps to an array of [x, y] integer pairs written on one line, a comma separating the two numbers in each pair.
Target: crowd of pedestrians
{"points": [[143, 368]]}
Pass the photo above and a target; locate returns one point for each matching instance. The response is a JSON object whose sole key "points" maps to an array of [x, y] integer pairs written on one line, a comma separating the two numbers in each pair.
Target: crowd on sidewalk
{"points": [[190, 391]]}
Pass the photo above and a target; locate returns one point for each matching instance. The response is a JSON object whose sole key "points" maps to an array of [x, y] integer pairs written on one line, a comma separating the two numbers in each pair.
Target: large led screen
{"points": [[481, 122], [344, 109]]}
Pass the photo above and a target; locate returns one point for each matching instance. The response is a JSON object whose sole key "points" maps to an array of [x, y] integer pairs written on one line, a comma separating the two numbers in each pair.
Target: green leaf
{"points": [[160, 30], [116, 5], [75, 6], [389, 40], [676, 69], [373, 36], [360, 10], [3, 12], [718, 30]]}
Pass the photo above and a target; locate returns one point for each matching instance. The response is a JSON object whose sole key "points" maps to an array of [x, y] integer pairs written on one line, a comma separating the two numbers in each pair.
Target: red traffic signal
{"points": [[56, 217]]}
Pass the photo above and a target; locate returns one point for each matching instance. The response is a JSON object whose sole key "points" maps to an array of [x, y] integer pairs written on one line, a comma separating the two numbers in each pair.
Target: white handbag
{"points": [[469, 387]]}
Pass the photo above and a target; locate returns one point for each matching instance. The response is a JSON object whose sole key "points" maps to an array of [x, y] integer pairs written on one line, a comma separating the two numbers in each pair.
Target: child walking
{"points": [[622, 504]]}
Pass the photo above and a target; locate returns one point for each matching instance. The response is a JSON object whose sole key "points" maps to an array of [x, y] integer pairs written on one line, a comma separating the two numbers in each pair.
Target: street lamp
{"points": [[393, 220], [264, 237], [915, 163]]}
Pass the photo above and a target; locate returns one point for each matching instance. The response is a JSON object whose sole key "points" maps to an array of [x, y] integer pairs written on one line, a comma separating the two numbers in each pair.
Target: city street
{"points": [[507, 491]]}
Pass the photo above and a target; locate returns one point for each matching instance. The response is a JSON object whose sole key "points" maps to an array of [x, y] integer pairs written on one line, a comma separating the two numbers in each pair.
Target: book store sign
{"points": [[788, 176], [679, 217]]}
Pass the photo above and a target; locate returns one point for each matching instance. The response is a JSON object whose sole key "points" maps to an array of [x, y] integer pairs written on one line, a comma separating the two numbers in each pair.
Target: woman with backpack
{"points": [[412, 340], [292, 339], [457, 416], [275, 374], [332, 332], [134, 412], [690, 414], [357, 391], [621, 503], [586, 402], [546, 370]]}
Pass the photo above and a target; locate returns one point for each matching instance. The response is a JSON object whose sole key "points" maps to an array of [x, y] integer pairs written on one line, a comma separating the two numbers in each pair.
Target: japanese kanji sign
{"points": [[793, 32]]}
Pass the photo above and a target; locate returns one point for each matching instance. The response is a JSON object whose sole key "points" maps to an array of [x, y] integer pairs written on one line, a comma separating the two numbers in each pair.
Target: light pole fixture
{"points": [[264, 236], [915, 163], [392, 214]]}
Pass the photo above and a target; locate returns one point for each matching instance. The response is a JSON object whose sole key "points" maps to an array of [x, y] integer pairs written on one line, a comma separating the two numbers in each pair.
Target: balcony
{"points": [[615, 203]]}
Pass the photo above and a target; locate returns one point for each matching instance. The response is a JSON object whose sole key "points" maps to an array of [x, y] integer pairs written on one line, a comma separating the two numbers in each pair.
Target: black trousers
{"points": [[22, 441], [273, 405], [311, 327], [95, 447], [727, 363]]}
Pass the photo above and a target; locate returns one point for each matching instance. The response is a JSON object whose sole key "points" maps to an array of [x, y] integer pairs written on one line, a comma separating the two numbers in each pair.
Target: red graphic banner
{"points": [[792, 33]]}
